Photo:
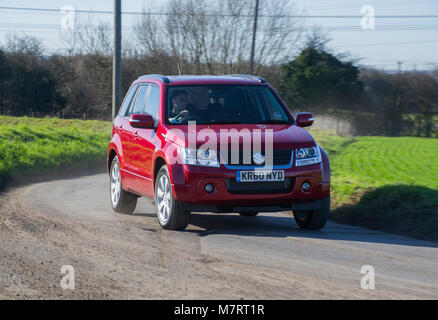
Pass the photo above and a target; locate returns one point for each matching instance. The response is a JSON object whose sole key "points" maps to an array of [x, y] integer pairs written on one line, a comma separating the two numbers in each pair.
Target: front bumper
{"points": [[189, 187]]}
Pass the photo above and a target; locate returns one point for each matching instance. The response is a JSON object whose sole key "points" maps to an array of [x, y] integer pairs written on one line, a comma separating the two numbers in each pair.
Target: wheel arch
{"points": [[115, 149], [112, 153], [158, 163]]}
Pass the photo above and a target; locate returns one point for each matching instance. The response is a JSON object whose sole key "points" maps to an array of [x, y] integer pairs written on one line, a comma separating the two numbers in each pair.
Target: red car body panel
{"points": [[141, 150]]}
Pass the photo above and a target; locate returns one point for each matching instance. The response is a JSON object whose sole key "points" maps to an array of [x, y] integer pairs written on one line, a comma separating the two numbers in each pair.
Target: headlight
{"points": [[199, 157], [306, 156]]}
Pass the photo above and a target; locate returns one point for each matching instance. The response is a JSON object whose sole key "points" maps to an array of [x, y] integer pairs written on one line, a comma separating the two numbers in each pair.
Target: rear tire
{"points": [[249, 214], [315, 219], [170, 212], [121, 201]]}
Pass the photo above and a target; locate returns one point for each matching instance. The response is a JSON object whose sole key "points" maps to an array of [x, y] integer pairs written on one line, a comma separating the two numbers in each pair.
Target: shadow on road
{"points": [[283, 226]]}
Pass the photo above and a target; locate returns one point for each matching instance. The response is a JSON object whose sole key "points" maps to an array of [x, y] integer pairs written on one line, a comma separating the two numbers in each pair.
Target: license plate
{"points": [[259, 176]]}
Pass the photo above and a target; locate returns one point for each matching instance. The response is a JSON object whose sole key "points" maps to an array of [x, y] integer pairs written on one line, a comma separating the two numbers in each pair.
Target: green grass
{"points": [[30, 146], [384, 183]]}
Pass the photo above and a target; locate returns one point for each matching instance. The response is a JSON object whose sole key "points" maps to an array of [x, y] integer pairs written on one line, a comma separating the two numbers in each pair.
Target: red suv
{"points": [[215, 143]]}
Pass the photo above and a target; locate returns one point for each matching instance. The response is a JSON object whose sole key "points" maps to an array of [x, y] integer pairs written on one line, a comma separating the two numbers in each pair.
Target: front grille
{"points": [[280, 157], [267, 187]]}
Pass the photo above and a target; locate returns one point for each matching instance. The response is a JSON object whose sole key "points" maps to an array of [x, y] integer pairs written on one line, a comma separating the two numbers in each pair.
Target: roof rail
{"points": [[247, 76], [155, 76]]}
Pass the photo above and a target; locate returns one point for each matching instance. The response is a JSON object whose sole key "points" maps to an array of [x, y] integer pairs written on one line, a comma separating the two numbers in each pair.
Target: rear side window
{"points": [[153, 103], [140, 99], [127, 101]]}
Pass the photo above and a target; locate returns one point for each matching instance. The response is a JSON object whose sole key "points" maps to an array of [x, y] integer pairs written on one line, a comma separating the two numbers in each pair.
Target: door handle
{"points": [[121, 126], [135, 134]]}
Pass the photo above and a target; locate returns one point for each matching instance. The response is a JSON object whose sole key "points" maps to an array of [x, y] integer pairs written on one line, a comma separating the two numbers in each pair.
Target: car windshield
{"points": [[224, 104]]}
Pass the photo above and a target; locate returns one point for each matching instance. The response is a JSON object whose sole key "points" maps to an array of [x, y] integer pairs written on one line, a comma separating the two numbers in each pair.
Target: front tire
{"points": [[170, 212], [315, 219], [121, 201]]}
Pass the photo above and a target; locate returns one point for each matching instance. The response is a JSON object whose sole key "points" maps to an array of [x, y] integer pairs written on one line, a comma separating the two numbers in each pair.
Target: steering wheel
{"points": [[186, 117]]}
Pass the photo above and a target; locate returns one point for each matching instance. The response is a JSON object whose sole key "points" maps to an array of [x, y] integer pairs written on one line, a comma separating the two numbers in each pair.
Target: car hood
{"points": [[283, 136]]}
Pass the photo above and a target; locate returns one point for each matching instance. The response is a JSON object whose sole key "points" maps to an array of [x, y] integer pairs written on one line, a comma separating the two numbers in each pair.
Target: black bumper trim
{"points": [[298, 206]]}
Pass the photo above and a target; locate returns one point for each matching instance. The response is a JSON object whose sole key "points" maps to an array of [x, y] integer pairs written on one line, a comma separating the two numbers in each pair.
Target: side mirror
{"points": [[304, 119], [144, 121]]}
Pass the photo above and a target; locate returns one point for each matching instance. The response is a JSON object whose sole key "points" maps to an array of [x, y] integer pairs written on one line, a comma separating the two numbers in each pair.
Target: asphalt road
{"points": [[220, 256]]}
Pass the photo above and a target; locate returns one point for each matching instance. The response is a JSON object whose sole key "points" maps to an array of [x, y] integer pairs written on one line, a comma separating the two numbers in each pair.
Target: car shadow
{"points": [[142, 214], [408, 206], [283, 226]]}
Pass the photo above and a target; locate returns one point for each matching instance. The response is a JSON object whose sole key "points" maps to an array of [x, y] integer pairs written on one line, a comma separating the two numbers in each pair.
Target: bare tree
{"points": [[207, 36], [280, 33], [150, 33], [94, 39], [23, 43]]}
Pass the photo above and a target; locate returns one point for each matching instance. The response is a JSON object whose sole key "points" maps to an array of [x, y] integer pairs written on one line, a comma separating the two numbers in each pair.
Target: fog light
{"points": [[209, 188], [306, 186]]}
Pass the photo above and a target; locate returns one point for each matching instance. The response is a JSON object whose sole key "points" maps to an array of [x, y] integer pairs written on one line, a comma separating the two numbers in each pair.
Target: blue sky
{"points": [[413, 41]]}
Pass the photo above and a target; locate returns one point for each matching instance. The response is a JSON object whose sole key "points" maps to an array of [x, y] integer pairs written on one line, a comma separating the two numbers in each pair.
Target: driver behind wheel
{"points": [[180, 106]]}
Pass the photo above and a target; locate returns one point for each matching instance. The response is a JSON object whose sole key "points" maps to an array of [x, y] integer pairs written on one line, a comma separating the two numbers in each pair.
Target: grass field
{"points": [[383, 183], [362, 163], [30, 146]]}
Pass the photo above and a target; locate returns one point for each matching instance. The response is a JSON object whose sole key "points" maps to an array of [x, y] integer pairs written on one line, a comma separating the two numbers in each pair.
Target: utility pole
{"points": [[117, 58], [399, 65], [254, 31]]}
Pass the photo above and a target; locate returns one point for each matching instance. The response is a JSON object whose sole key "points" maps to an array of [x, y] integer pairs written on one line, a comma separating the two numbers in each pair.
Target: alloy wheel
{"points": [[164, 199]]}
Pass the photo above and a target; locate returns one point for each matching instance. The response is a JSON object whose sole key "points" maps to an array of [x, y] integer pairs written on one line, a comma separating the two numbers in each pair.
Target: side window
{"points": [[127, 101], [140, 99], [153, 103]]}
